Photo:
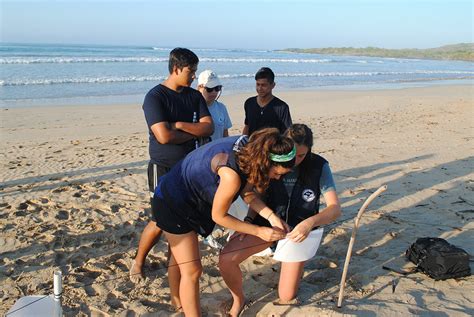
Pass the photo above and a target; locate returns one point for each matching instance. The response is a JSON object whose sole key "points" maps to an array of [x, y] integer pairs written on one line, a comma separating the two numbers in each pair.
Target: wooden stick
{"points": [[352, 241]]}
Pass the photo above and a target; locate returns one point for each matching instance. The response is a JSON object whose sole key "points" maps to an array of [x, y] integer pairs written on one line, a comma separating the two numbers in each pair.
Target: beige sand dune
{"points": [[73, 197]]}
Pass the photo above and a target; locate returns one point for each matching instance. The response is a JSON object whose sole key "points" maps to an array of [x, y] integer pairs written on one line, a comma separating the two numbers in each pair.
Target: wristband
{"points": [[248, 219], [268, 219]]}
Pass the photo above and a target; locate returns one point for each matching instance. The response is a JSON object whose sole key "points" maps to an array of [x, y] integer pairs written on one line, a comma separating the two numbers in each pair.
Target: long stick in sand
{"points": [[351, 243]]}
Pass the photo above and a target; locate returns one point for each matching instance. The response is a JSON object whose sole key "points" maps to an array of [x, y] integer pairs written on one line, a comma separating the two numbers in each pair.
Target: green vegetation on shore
{"points": [[462, 51]]}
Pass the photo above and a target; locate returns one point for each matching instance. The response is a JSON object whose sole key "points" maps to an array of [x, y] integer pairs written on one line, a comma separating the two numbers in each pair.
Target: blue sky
{"points": [[260, 24]]}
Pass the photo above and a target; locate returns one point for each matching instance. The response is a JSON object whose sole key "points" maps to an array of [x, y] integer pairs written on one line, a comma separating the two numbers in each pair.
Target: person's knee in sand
{"points": [[302, 182]]}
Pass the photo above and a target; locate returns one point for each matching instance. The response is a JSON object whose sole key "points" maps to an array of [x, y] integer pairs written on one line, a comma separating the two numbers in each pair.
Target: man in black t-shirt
{"points": [[177, 116], [176, 119], [265, 110]]}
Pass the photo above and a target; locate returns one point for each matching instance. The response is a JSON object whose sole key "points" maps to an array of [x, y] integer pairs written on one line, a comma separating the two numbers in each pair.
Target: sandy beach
{"points": [[74, 197]]}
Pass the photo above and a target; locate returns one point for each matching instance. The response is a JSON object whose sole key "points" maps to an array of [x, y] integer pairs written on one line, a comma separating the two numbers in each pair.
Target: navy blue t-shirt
{"points": [[163, 104], [190, 186]]}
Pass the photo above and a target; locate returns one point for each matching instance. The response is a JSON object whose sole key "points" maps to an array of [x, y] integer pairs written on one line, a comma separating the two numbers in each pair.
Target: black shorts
{"points": [[155, 171], [168, 219]]}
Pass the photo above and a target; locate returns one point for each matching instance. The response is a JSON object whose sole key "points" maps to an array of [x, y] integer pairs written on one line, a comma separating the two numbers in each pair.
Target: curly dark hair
{"points": [[254, 158]]}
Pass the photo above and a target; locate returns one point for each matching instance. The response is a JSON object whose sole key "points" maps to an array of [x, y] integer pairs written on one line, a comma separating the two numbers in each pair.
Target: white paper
{"points": [[238, 209], [289, 251]]}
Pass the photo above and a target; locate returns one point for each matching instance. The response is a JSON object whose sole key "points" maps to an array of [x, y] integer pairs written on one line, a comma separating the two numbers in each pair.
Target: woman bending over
{"points": [[295, 199], [198, 191]]}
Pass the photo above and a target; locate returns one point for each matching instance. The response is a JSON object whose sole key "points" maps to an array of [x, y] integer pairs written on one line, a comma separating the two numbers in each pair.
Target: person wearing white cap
{"points": [[210, 87]]}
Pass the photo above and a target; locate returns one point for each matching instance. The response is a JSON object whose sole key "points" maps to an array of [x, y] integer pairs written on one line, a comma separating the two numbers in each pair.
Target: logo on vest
{"points": [[308, 195]]}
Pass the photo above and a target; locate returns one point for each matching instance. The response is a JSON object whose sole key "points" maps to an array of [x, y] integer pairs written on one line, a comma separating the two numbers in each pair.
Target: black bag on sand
{"points": [[438, 258]]}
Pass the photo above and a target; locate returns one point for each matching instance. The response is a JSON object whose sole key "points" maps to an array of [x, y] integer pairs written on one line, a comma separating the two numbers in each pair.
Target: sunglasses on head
{"points": [[217, 89]]}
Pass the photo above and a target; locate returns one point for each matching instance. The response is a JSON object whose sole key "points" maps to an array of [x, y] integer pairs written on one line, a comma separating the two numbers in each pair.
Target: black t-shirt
{"points": [[164, 104], [276, 114]]}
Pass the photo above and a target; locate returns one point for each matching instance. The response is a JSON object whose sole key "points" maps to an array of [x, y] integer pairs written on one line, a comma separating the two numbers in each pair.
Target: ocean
{"points": [[52, 74]]}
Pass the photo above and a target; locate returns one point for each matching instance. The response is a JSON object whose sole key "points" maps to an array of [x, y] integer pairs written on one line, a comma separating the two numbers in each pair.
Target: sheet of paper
{"points": [[238, 209], [289, 251]]}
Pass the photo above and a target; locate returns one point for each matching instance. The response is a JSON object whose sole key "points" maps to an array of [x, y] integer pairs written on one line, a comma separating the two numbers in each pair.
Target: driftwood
{"points": [[352, 241]]}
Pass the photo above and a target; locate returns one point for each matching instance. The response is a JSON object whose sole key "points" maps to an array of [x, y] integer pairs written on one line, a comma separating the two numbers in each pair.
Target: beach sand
{"points": [[74, 197]]}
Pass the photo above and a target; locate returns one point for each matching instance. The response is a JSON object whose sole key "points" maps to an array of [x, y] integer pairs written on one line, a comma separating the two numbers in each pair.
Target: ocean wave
{"points": [[113, 79], [71, 60], [414, 80], [263, 60], [357, 74], [152, 59], [87, 80]]}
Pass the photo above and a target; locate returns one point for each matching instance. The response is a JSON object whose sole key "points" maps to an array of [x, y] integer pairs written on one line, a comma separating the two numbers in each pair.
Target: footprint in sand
{"points": [[90, 291], [88, 276], [62, 215], [126, 238], [23, 206], [115, 257], [78, 259], [121, 264], [154, 305], [59, 258], [61, 189], [5, 205], [94, 196], [320, 277], [20, 213], [113, 301]]}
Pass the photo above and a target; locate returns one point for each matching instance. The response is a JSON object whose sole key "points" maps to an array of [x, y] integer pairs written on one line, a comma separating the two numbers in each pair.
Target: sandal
{"points": [[292, 302]]}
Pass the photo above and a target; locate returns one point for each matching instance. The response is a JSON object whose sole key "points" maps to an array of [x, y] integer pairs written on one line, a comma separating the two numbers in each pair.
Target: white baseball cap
{"points": [[208, 79]]}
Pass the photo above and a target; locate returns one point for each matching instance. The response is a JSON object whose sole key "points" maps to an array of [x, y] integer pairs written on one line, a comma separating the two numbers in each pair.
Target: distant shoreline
{"points": [[42, 75], [461, 52]]}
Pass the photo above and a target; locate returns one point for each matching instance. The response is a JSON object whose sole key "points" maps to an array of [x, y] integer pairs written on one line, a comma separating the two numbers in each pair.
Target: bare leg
{"points": [[150, 235], [290, 278], [185, 251], [231, 256], [174, 277]]}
